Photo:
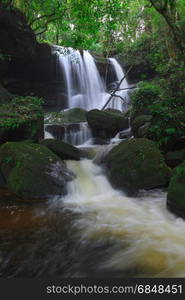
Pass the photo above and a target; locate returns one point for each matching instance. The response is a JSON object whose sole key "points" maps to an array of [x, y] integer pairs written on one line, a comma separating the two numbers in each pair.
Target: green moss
{"points": [[19, 111], [105, 124], [138, 122], [137, 164], [27, 168], [176, 189], [21, 119], [63, 150]]}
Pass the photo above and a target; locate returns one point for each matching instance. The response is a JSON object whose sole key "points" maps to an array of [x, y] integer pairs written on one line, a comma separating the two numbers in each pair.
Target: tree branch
{"points": [[118, 96], [118, 86], [41, 17]]}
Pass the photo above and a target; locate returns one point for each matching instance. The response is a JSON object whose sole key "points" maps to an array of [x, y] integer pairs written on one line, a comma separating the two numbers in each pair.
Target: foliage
{"points": [[103, 25], [20, 110], [168, 112]]}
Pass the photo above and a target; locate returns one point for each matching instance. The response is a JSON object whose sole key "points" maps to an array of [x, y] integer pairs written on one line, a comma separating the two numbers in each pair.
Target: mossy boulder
{"points": [[105, 124], [32, 171], [173, 159], [73, 115], [62, 149], [136, 164], [176, 191], [22, 119], [138, 122]]}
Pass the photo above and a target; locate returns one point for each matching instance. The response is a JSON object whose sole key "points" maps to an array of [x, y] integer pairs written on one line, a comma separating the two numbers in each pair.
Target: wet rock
{"points": [[176, 191], [63, 150], [57, 131], [136, 164], [99, 141], [73, 115], [143, 130], [32, 171], [105, 124], [125, 134], [174, 158], [139, 122]]}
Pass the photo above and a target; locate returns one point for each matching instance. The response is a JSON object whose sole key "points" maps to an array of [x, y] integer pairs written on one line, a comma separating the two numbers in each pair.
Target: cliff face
{"points": [[27, 67]]}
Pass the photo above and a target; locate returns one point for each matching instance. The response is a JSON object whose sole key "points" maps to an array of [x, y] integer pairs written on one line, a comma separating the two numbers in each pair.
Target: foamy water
{"points": [[150, 238]]}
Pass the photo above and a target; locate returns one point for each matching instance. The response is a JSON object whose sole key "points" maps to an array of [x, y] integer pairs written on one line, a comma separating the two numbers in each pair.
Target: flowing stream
{"points": [[140, 234]]}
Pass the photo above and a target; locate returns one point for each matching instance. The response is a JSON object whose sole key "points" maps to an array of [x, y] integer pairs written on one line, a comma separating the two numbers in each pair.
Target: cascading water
{"points": [[135, 236], [75, 133], [123, 89], [85, 88], [84, 85]]}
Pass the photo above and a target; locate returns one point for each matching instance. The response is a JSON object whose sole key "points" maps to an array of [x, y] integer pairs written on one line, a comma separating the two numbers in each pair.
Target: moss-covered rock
{"points": [[62, 149], [136, 164], [21, 119], [105, 124], [176, 191], [173, 159], [139, 122], [73, 115], [32, 170]]}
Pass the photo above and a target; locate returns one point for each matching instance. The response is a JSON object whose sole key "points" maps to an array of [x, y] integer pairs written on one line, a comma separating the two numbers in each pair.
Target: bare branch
{"points": [[41, 17], [114, 93]]}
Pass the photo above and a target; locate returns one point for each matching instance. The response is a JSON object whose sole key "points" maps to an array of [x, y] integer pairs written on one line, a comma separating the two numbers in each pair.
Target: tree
{"points": [[168, 10]]}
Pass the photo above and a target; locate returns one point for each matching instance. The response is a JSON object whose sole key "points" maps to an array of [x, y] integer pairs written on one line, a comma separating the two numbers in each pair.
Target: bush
{"points": [[146, 94], [19, 110]]}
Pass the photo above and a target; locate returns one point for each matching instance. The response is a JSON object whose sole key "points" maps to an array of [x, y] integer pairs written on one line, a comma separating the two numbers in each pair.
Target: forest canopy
{"points": [[105, 25]]}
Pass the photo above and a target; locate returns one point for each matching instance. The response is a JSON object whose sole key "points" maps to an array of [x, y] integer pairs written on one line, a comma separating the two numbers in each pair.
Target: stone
{"points": [[106, 124], [32, 171], [176, 191], [139, 122], [136, 164], [174, 158], [63, 150]]}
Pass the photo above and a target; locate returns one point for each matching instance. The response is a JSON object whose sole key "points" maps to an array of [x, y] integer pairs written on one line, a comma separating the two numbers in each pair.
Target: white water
{"points": [[75, 134], [84, 85], [123, 92], [149, 237], [79, 136]]}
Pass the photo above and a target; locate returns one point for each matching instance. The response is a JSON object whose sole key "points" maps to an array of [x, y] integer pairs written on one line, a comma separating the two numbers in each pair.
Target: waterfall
{"points": [[74, 133], [123, 92], [84, 86]]}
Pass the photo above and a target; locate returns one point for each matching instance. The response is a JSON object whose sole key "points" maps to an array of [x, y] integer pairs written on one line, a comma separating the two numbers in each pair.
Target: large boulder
{"points": [[140, 123], [62, 149], [73, 115], [136, 164], [105, 124], [21, 119], [174, 158], [176, 191], [32, 171]]}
